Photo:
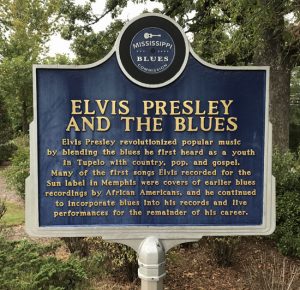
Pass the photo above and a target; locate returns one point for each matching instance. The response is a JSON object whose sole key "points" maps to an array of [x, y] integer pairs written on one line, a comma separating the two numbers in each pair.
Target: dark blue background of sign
{"points": [[56, 87]]}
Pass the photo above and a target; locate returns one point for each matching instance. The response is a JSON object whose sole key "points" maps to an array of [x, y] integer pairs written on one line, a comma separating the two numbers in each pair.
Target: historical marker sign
{"points": [[151, 139]]}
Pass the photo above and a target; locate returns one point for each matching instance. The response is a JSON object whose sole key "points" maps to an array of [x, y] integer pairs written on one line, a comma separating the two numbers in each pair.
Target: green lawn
{"points": [[14, 215]]}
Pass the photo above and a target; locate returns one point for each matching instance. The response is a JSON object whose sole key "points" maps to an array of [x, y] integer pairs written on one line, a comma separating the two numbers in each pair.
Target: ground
{"points": [[192, 266]]}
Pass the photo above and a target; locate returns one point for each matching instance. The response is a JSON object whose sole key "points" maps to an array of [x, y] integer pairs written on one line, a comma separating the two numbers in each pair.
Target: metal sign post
{"points": [[151, 264], [150, 147]]}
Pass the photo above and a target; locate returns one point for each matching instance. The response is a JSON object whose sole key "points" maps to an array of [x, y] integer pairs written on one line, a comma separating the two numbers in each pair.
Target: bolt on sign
{"points": [[151, 140]]}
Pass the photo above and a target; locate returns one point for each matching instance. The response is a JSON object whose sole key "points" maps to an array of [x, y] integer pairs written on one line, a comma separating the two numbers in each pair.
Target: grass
{"points": [[14, 215]]}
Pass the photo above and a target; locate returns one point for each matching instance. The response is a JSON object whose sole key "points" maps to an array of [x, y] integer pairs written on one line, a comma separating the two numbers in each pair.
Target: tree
{"points": [[90, 47], [249, 32], [57, 59], [25, 27], [6, 148]]}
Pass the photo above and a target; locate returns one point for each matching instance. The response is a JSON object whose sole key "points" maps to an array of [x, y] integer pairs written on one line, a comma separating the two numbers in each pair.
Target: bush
{"points": [[286, 169], [95, 265], [223, 250], [6, 151], [30, 266], [287, 234], [113, 258], [122, 258], [275, 275], [59, 275], [101, 258], [19, 170], [77, 245]]}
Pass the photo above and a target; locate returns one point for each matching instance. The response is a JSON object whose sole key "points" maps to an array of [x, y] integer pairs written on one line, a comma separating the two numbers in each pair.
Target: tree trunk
{"points": [[25, 125], [272, 52], [279, 107], [280, 78]]}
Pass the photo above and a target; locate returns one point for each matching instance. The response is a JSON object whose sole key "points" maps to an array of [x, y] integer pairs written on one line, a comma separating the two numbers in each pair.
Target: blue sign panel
{"points": [[182, 144]]}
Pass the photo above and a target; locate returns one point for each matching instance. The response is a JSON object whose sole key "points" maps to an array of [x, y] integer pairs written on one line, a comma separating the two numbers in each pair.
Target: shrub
{"points": [[223, 250], [96, 264], [77, 245], [276, 275], [286, 169], [58, 274], [287, 234], [121, 257], [30, 266], [101, 257], [113, 258], [6, 151], [19, 170]]}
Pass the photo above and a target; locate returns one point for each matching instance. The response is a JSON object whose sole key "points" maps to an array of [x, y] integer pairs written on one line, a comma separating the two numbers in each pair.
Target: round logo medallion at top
{"points": [[152, 50]]}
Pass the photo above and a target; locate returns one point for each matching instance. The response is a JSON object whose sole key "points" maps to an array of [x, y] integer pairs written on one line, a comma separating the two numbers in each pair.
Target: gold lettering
{"points": [[76, 105], [232, 124], [213, 108], [72, 124], [226, 106], [86, 108]]}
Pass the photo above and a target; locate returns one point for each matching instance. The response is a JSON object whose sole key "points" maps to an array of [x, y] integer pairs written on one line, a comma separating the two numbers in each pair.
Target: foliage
{"points": [[94, 46], [295, 97], [115, 257], [287, 233], [223, 250], [295, 110], [122, 258], [95, 264], [6, 148], [286, 169], [14, 214], [57, 274], [25, 28], [16, 89], [57, 59], [77, 245], [100, 257], [19, 170], [79, 18], [6, 151], [5, 125], [25, 265], [276, 275]]}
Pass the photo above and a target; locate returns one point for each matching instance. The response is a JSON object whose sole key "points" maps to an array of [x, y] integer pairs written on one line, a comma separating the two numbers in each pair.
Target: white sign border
{"points": [[134, 233]]}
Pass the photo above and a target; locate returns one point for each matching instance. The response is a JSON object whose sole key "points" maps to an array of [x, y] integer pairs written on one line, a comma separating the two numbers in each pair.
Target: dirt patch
{"points": [[194, 267]]}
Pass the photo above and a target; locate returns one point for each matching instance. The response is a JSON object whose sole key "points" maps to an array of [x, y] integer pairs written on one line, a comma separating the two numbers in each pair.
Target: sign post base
{"points": [[151, 259]]}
